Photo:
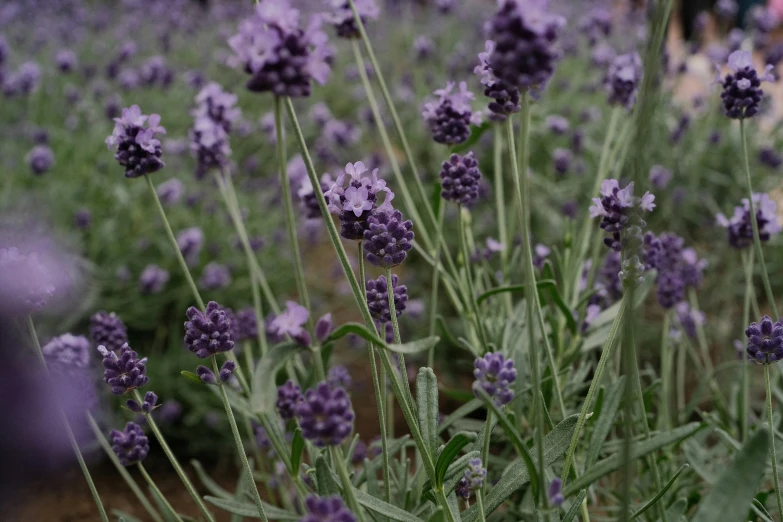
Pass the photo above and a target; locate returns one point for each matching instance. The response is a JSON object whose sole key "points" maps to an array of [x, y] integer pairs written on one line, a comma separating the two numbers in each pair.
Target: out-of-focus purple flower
{"points": [[742, 91], [683, 124], [591, 312], [209, 145], [281, 57], [765, 341], [339, 376], [557, 124], [291, 322], [726, 9], [526, 36], [341, 16], [327, 509], [218, 105], [82, 218], [602, 55], [444, 6], [460, 179], [495, 374], [561, 160], [288, 396], [325, 415], [423, 47], [208, 333], [65, 60], [623, 79], [541, 253], [190, 242], [107, 329], [462, 490], [505, 96], [740, 228], [388, 239], [24, 81], [616, 207], [555, 492], [134, 140], [68, 350], [689, 319], [595, 24], [246, 328], [130, 445], [170, 191], [770, 158], [156, 72], [152, 279], [378, 298], [40, 159], [323, 327], [215, 276], [660, 176], [125, 372], [26, 282], [170, 411], [450, 117]]}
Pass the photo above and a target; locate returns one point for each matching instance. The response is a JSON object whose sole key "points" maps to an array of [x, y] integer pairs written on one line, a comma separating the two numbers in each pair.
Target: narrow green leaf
{"points": [[453, 475], [356, 329], [452, 449], [246, 509], [638, 450], [382, 508], [437, 516], [212, 486], [240, 492], [192, 377], [263, 384], [444, 330], [513, 434], [516, 476], [427, 408], [297, 445], [571, 515], [324, 479], [613, 394], [661, 493], [123, 516], [545, 287], [513, 288], [422, 345], [730, 498]]}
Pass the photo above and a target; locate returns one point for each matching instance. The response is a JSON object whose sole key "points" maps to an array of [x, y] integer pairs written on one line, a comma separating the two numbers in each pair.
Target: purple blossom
{"points": [[689, 319], [561, 160], [327, 509], [460, 179], [125, 372], [190, 241], [557, 124], [246, 328], [206, 375], [209, 145], [325, 415], [660, 176], [65, 60], [623, 79], [596, 24], [742, 91], [355, 204], [388, 239], [288, 396], [740, 228], [40, 159], [214, 103], [130, 445], [462, 490], [341, 16], [107, 329], [170, 191], [323, 327], [378, 298], [505, 97], [215, 276], [475, 474], [208, 333], [495, 374], [152, 279], [146, 406], [770, 158], [555, 493], [134, 140], [83, 219], [765, 341], [541, 252], [450, 117], [618, 209], [67, 351], [726, 9], [423, 47], [339, 376], [291, 323]]}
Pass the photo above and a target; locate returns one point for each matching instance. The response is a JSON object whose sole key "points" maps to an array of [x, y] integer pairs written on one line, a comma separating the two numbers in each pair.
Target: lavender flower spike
{"points": [[327, 509], [208, 333], [765, 341], [495, 374], [325, 415], [130, 445], [125, 372], [460, 179], [740, 228], [555, 493], [68, 351], [341, 16], [475, 474], [623, 79], [288, 396], [108, 330], [388, 239], [618, 209], [742, 92], [134, 140], [378, 298], [291, 322], [449, 119]]}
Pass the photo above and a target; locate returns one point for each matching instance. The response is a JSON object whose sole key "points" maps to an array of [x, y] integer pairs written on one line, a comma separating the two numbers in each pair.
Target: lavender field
{"points": [[390, 261]]}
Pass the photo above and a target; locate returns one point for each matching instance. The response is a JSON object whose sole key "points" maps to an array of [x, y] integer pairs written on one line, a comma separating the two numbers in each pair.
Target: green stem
{"points": [[74, 445], [463, 243], [521, 183], [129, 480], [174, 462], [665, 419], [706, 358], [238, 441], [681, 371], [396, 328], [773, 455], [747, 259], [154, 487], [485, 447], [440, 495], [173, 240], [500, 207], [480, 504], [435, 281], [754, 222], [338, 461]]}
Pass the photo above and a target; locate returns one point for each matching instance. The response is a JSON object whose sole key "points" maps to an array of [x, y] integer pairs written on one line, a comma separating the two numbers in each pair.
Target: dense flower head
{"points": [[26, 282], [740, 228], [208, 333], [460, 179], [190, 241], [23, 81], [770, 158], [130, 445], [341, 16], [689, 319], [462, 490], [742, 91], [125, 372], [246, 327], [65, 60], [356, 203], [505, 96], [215, 276], [217, 105], [339, 376], [660, 176], [134, 140], [107, 329], [152, 279], [561, 160], [596, 24], [765, 340], [40, 159], [475, 474], [68, 350], [495, 374], [147, 404], [664, 254], [623, 79], [619, 209], [280, 57], [208, 145], [450, 117], [325, 415], [526, 36], [388, 239], [288, 396], [378, 298], [327, 509]]}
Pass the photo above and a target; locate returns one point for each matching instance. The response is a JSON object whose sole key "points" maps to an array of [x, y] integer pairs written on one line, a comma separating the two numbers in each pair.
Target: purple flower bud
{"points": [[208, 333], [291, 323], [505, 96], [170, 191], [325, 415], [68, 351], [288, 396], [215, 276], [40, 159], [339, 377], [561, 160], [378, 298], [327, 509], [495, 374], [147, 405], [740, 228], [475, 474], [460, 179], [153, 279], [130, 445], [765, 341], [619, 209], [742, 91], [108, 330], [341, 16], [449, 119], [227, 370], [190, 242], [660, 176], [125, 372], [323, 327], [554, 493], [623, 79], [133, 139], [206, 375], [388, 239]]}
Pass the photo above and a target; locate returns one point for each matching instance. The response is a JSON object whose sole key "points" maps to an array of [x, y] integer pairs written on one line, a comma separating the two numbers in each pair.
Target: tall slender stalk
{"points": [[773, 455], [158, 492], [240, 447], [747, 260], [434, 294], [338, 461], [665, 356], [485, 447], [754, 223], [68, 431], [463, 243], [129, 480], [500, 208], [174, 462]]}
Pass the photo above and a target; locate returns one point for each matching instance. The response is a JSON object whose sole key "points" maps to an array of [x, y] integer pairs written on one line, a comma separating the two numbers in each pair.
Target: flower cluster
{"points": [[460, 179], [742, 91], [130, 445], [148, 404], [288, 396], [152, 279], [678, 268], [209, 332], [214, 276], [68, 351], [475, 474], [327, 509], [207, 376], [338, 376], [505, 96], [40, 159], [378, 298], [213, 118], [388, 239], [740, 228], [190, 241], [526, 36], [280, 57], [341, 16], [450, 117], [108, 330], [359, 201], [134, 140], [495, 374], [619, 211], [623, 79], [325, 415], [765, 341], [26, 282], [125, 372]]}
